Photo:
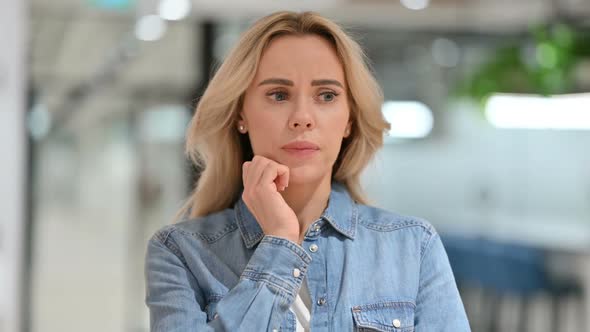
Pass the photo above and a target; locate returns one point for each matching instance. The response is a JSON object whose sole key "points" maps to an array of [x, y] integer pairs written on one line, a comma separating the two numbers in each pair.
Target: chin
{"points": [[306, 174]]}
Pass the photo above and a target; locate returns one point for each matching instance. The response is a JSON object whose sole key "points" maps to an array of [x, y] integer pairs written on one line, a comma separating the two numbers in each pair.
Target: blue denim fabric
{"points": [[373, 270]]}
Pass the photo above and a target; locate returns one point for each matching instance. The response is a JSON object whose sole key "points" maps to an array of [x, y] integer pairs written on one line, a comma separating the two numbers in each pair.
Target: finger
{"points": [[282, 176], [269, 175], [255, 172], [245, 169]]}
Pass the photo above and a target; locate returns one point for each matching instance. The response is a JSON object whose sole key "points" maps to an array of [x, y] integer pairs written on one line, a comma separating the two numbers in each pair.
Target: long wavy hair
{"points": [[214, 144]]}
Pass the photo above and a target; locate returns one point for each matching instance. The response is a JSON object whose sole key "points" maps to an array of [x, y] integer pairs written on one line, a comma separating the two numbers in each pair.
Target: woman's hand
{"points": [[263, 179]]}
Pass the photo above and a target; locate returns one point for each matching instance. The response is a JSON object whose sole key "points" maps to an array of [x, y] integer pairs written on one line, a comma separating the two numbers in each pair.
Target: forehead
{"points": [[307, 56]]}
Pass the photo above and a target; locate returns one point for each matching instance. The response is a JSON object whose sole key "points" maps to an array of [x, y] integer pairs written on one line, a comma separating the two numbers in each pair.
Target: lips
{"points": [[301, 145]]}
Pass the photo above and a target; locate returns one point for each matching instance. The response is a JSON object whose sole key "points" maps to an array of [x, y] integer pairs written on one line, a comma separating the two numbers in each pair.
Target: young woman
{"points": [[277, 235]]}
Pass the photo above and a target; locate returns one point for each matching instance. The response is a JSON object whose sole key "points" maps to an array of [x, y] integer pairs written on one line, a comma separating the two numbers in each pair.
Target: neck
{"points": [[308, 201]]}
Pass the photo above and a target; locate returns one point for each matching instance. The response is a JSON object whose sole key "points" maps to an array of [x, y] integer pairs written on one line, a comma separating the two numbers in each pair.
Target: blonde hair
{"points": [[216, 147]]}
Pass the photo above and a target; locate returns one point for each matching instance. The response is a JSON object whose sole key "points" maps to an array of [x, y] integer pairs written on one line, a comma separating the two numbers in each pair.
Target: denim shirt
{"points": [[367, 269]]}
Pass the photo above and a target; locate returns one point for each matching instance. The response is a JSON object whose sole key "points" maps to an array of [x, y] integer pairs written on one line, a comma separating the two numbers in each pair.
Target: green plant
{"points": [[543, 64]]}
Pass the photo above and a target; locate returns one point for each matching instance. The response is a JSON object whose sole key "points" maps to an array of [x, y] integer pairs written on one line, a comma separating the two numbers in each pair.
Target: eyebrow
{"points": [[282, 81]]}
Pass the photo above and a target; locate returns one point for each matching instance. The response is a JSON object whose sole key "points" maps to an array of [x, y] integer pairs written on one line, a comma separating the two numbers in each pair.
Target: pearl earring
{"points": [[242, 128]]}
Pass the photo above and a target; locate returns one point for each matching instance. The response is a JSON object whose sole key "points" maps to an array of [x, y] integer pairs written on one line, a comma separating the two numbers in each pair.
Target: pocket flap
{"points": [[385, 316]]}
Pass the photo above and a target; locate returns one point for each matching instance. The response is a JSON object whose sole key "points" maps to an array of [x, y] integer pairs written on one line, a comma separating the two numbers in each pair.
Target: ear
{"points": [[348, 129], [242, 123]]}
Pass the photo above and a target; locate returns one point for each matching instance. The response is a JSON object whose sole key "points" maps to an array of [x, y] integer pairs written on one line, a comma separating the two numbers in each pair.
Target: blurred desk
{"points": [[567, 245]]}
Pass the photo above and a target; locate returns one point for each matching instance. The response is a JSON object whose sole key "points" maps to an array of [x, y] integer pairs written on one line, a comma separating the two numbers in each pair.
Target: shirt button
{"points": [[296, 273], [275, 330], [215, 316], [397, 323], [313, 248], [321, 301], [316, 227]]}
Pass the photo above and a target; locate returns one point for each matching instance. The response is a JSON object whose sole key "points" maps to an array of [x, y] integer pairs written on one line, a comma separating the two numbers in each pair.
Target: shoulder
{"points": [[405, 228], [384, 220], [208, 228], [410, 228]]}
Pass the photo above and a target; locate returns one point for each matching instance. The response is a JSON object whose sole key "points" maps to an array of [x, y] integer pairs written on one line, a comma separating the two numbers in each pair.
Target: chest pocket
{"points": [[384, 316]]}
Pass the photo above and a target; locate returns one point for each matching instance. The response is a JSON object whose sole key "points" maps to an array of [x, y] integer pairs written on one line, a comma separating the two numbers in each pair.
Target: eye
{"points": [[328, 96], [278, 95]]}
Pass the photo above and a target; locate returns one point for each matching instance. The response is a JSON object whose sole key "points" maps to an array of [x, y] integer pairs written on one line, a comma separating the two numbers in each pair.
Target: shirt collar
{"points": [[341, 213]]}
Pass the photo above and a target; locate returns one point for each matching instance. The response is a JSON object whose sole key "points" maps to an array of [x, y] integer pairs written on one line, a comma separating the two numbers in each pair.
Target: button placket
{"points": [[314, 230]]}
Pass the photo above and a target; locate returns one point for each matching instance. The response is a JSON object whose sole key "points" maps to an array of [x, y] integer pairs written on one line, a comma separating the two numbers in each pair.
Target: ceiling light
{"points": [[174, 10], [408, 119], [415, 4], [150, 28]]}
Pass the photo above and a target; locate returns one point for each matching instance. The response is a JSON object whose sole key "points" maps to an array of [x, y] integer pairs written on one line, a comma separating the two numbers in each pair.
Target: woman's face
{"points": [[298, 94]]}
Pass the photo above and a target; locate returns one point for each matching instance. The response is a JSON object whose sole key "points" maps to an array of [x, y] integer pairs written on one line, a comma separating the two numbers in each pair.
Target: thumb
{"points": [[282, 179]]}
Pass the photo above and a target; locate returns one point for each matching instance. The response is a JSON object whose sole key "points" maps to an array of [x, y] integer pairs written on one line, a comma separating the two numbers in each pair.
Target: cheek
{"points": [[335, 146], [335, 123], [336, 130], [264, 135], [332, 142]]}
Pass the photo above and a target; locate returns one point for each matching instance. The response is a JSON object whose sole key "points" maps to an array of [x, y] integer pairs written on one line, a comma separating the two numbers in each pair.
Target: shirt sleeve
{"points": [[265, 291], [438, 304]]}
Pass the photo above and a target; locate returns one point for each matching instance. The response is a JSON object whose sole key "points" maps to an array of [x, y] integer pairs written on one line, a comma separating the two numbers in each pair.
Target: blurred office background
{"points": [[490, 142]]}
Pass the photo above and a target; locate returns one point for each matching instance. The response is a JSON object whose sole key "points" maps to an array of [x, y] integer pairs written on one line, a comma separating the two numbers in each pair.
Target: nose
{"points": [[301, 118]]}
